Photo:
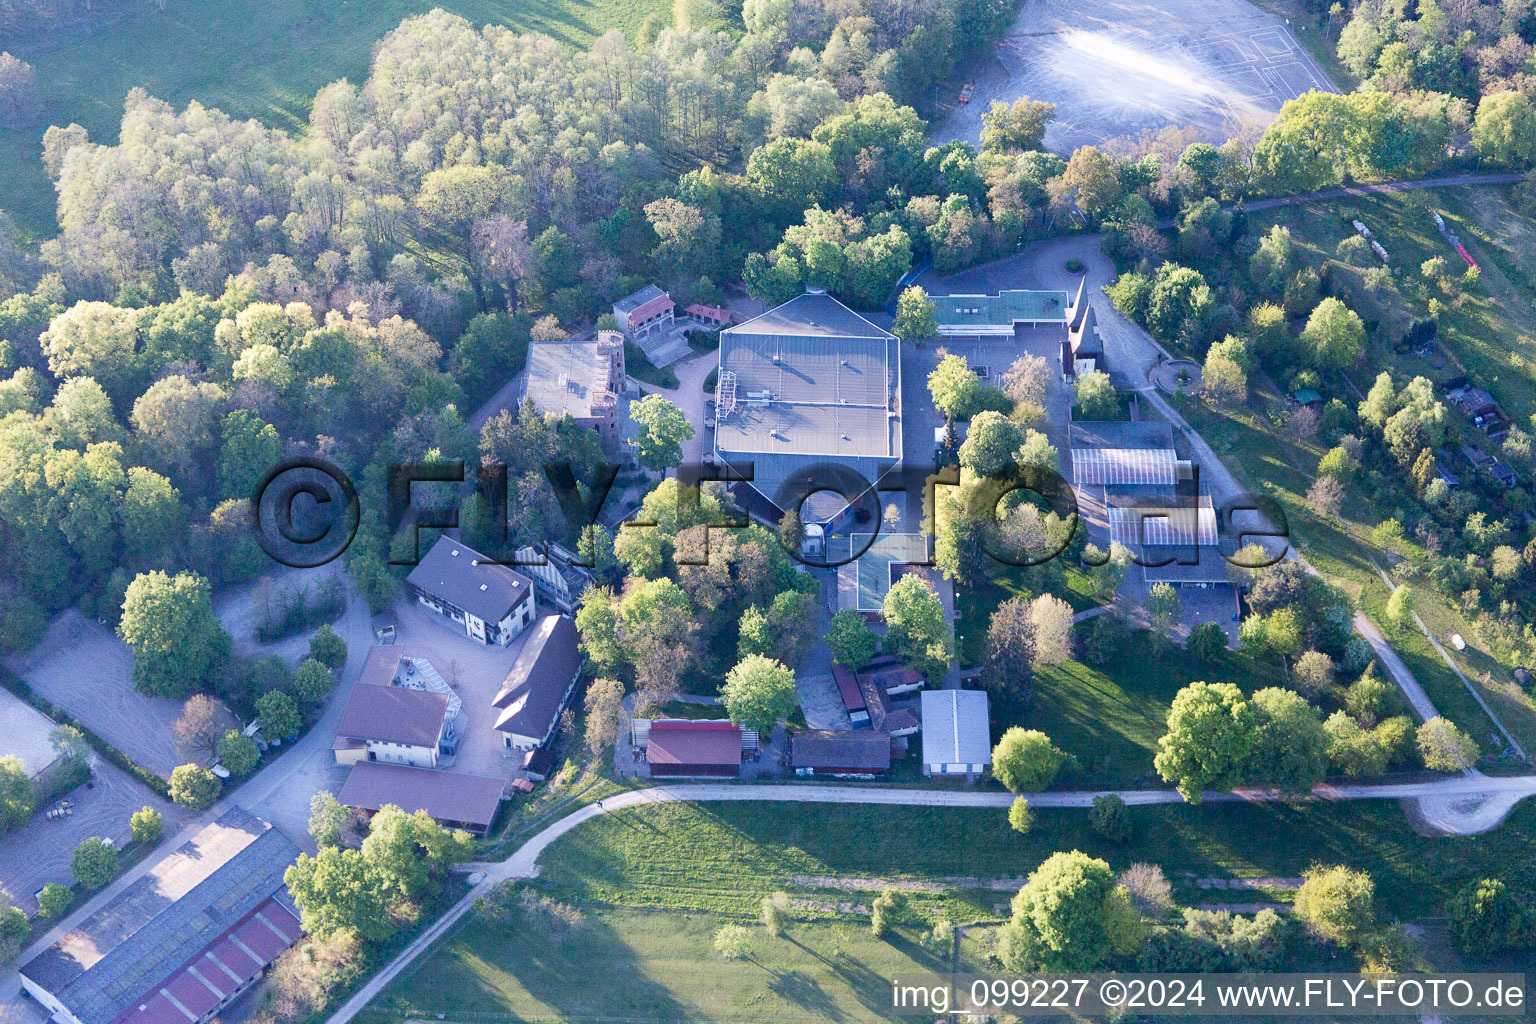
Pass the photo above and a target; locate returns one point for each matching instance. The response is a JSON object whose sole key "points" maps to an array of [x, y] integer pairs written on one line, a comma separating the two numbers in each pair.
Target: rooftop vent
{"points": [[473, 561], [455, 552], [482, 586]]}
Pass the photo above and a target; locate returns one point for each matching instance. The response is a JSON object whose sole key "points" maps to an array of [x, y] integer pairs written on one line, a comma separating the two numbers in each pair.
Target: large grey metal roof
{"points": [[815, 382], [149, 929], [814, 313]]}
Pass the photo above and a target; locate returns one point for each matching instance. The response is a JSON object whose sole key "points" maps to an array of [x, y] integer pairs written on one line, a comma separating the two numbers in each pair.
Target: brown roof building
{"points": [[451, 798], [839, 752], [853, 698], [679, 748], [539, 684], [391, 723]]}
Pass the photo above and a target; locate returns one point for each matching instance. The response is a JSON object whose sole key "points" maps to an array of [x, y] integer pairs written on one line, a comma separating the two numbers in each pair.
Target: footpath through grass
{"points": [[653, 885], [262, 60]]}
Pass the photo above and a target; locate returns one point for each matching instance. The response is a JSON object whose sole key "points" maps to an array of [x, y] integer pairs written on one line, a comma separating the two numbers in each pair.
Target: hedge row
{"points": [[19, 687]]}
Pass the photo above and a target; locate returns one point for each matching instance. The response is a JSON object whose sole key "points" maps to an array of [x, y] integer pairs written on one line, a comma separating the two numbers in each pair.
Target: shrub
{"points": [[238, 752], [1206, 641], [146, 825], [94, 863], [733, 942], [327, 648], [54, 900], [1110, 818], [887, 905], [1025, 760], [1486, 918], [1337, 903], [1150, 890], [194, 787], [1020, 817], [776, 913]]}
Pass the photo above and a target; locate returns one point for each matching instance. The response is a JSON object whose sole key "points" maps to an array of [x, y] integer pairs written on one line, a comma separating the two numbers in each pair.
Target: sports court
{"points": [[1117, 69]]}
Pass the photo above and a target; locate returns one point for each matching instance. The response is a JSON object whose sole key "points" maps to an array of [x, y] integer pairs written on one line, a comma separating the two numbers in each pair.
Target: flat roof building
{"points": [[180, 942], [806, 385], [489, 601], [980, 316], [580, 379]]}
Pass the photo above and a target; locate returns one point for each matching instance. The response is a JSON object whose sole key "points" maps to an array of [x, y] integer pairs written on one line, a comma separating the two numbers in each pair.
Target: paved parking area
{"points": [[1117, 68], [84, 668]]}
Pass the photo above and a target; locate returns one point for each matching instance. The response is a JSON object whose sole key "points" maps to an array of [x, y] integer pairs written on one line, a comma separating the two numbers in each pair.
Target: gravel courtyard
{"points": [[39, 852], [1122, 67], [84, 668]]}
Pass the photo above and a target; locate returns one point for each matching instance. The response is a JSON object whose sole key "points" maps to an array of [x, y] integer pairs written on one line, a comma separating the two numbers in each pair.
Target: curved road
{"points": [[1400, 185], [1467, 803]]}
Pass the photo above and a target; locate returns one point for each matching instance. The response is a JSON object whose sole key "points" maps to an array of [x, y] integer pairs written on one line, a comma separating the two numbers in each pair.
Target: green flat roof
{"points": [[1004, 308], [874, 566]]}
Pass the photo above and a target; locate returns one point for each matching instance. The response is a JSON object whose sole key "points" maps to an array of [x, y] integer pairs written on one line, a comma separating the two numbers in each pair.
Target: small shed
{"points": [[678, 749], [840, 752], [853, 697], [1307, 396]]}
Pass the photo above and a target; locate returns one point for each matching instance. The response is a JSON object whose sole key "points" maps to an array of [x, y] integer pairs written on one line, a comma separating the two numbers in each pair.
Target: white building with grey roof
{"points": [[806, 385], [182, 941], [957, 732], [489, 601]]}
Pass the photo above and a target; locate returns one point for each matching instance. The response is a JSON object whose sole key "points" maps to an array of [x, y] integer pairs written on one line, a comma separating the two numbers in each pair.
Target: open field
{"points": [[84, 668], [723, 858], [658, 966], [250, 60], [1119, 69]]}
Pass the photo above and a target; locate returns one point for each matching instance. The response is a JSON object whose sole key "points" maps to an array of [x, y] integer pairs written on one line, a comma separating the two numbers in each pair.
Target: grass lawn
{"points": [[262, 60], [657, 965], [724, 858], [1111, 719]]}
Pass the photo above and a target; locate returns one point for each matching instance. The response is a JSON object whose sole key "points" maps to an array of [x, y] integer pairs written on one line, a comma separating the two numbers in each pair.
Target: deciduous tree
{"points": [[1211, 734], [759, 692]]}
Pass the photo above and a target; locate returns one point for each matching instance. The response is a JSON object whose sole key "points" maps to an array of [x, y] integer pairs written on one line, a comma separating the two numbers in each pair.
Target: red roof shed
{"points": [[680, 748]]}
